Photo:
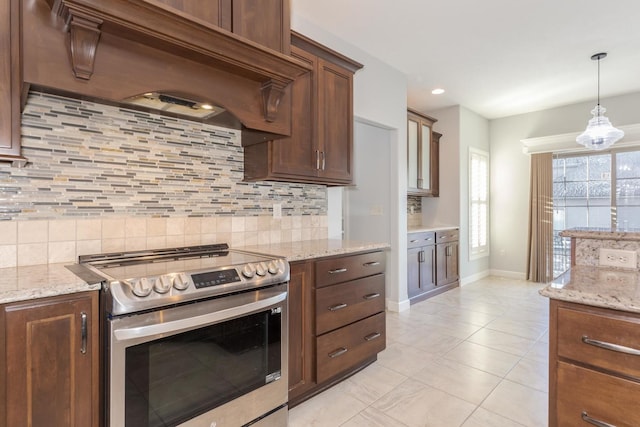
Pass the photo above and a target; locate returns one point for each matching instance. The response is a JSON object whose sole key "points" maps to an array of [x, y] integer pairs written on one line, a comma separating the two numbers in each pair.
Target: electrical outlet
{"points": [[277, 210], [618, 258]]}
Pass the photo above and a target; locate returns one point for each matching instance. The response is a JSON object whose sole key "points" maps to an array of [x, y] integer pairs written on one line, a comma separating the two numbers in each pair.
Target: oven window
{"points": [[171, 380]]}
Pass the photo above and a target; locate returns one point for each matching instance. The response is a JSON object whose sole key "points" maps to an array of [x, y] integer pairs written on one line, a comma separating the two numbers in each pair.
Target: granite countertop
{"points": [[39, 281], [308, 249], [423, 228], [602, 233], [597, 286]]}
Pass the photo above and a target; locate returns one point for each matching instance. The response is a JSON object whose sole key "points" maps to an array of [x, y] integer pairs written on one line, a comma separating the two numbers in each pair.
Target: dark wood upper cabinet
{"points": [[320, 149], [10, 82], [266, 22], [423, 155]]}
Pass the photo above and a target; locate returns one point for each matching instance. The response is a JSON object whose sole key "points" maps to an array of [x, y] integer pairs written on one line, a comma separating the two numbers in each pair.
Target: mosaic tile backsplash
{"points": [[88, 159], [108, 179]]}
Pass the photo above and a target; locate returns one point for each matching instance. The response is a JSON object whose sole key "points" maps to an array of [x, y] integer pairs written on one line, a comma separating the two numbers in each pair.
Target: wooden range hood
{"points": [[113, 50]]}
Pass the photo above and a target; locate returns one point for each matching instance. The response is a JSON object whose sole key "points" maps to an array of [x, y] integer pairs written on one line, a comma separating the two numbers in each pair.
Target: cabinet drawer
{"points": [[346, 347], [576, 326], [416, 240], [600, 396], [348, 302], [342, 269], [445, 236]]}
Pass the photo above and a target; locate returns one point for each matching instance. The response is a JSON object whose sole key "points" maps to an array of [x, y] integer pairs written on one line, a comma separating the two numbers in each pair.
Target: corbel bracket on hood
{"points": [[130, 29]]}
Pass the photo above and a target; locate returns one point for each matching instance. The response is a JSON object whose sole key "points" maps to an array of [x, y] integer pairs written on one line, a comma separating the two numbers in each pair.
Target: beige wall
{"points": [[510, 170]]}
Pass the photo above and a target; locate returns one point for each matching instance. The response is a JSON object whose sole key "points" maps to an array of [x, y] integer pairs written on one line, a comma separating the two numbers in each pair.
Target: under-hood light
{"points": [[166, 102]]}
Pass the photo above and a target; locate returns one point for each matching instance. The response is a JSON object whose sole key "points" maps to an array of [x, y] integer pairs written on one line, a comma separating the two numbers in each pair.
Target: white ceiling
{"points": [[495, 57]]}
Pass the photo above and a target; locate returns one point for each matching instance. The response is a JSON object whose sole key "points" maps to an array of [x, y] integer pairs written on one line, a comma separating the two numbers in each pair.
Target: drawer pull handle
{"points": [[371, 296], [595, 422], [338, 352], [83, 333], [338, 270], [372, 336], [413, 241], [610, 346], [371, 264], [337, 307]]}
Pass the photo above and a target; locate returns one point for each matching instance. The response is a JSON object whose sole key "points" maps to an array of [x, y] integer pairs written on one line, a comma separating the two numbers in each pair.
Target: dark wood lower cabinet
{"points": [[336, 320], [51, 359], [302, 337], [432, 263]]}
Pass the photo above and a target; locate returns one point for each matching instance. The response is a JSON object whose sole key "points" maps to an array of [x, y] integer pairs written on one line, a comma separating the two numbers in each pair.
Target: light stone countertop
{"points": [[602, 233], [597, 286], [309, 249], [39, 281], [424, 228], [46, 280]]}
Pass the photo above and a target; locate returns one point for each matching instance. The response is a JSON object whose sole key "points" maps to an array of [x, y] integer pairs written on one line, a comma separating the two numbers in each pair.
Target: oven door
{"points": [[219, 362]]}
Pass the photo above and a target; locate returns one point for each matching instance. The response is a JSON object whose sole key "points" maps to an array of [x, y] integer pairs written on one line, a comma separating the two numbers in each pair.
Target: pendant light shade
{"points": [[600, 134]]}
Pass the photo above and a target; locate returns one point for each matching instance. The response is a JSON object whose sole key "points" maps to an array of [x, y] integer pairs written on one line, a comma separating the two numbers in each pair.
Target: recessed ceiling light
{"points": [[437, 91], [207, 106]]}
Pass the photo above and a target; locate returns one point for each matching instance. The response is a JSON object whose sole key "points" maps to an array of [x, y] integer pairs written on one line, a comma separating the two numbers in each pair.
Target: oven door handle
{"points": [[175, 326]]}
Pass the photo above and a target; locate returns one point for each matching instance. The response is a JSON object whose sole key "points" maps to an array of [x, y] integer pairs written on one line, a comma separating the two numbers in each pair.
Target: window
{"points": [[593, 190], [478, 203]]}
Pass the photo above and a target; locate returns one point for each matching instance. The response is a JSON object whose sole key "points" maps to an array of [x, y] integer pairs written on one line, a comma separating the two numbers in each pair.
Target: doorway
{"points": [[367, 205]]}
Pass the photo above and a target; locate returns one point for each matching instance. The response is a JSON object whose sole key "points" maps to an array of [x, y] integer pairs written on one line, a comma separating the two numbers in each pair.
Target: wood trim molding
{"points": [[84, 35], [272, 93]]}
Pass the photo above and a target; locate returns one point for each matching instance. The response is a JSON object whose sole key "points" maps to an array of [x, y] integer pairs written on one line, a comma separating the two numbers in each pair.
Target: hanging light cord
{"points": [[598, 85]]}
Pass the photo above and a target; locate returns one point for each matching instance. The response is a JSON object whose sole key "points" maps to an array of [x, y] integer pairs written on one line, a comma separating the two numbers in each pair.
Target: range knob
{"points": [[248, 271], [261, 269], [181, 282], [142, 287], [273, 267], [163, 284]]}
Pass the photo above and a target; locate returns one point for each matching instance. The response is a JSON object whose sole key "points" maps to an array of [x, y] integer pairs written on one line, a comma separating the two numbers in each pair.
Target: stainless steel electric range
{"points": [[194, 336]]}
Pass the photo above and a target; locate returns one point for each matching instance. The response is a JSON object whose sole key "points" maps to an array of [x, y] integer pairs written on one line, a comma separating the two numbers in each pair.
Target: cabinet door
{"points": [[427, 268], [413, 127], [10, 80], [296, 155], [301, 329], [335, 122], [51, 351], [213, 12], [266, 22], [447, 263], [421, 270], [413, 272]]}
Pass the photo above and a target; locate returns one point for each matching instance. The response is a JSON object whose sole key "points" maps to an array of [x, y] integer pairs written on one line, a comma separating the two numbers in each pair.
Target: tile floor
{"points": [[475, 356]]}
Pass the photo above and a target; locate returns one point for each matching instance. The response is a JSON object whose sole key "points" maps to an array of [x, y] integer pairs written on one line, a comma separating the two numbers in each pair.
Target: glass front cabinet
{"points": [[422, 156]]}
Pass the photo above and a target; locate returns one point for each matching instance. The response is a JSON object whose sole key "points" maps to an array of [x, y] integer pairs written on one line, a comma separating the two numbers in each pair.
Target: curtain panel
{"points": [[540, 237]]}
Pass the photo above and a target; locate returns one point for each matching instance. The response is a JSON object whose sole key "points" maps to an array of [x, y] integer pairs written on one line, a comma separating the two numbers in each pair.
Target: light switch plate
{"points": [[618, 258]]}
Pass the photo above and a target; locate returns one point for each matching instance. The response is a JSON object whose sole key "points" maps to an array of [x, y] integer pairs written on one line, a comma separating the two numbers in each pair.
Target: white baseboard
{"points": [[508, 274], [398, 306], [474, 277]]}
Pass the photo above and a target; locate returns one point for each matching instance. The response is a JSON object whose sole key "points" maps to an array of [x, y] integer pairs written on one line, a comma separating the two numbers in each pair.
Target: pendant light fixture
{"points": [[600, 134]]}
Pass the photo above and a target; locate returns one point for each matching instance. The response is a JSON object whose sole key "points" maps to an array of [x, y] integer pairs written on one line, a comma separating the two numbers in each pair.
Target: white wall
{"points": [[380, 97], [445, 209], [510, 170], [474, 132], [461, 128]]}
